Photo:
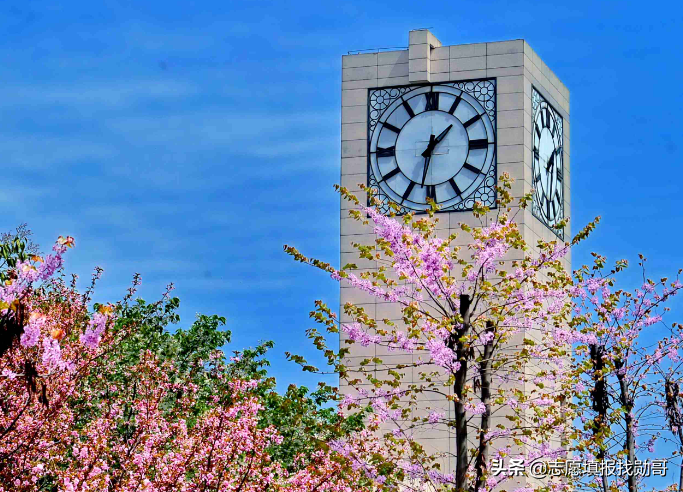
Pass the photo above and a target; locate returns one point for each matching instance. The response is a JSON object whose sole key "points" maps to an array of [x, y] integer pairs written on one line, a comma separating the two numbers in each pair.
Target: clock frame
{"points": [[477, 182], [547, 167]]}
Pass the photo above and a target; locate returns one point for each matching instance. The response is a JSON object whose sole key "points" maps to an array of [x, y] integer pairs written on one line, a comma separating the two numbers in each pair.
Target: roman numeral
{"points": [[470, 167], [537, 179], [431, 192], [557, 195], [554, 208], [547, 117], [537, 155], [408, 109], [472, 121], [391, 127], [388, 152], [406, 194], [454, 106], [542, 119], [454, 186], [432, 101], [538, 130], [480, 143], [390, 174], [547, 208]]}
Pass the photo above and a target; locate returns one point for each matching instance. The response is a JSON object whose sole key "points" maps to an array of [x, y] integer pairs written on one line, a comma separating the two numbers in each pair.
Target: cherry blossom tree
{"points": [[73, 418]]}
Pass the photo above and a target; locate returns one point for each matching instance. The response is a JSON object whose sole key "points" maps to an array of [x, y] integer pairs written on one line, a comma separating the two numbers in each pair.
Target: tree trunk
{"points": [[680, 477], [630, 444], [673, 415], [600, 403], [462, 356], [485, 370]]}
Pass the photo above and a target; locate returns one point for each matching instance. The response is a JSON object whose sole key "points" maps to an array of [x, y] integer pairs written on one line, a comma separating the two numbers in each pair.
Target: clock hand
{"points": [[427, 154], [551, 162], [433, 142], [441, 136], [428, 159], [430, 147]]}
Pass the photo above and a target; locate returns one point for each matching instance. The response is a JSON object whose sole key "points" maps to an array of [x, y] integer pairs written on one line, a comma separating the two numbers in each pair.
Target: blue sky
{"points": [[189, 141]]}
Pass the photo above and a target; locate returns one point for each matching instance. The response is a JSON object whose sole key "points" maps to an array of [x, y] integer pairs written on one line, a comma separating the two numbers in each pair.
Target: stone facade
{"points": [[516, 68]]}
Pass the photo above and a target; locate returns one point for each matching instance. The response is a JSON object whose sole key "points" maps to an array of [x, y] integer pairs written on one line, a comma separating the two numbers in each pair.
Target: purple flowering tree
{"points": [[628, 372], [485, 332], [511, 355]]}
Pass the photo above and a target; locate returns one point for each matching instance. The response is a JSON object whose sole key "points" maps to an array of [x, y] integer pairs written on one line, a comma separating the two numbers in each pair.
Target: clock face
{"points": [[547, 169], [433, 142]]}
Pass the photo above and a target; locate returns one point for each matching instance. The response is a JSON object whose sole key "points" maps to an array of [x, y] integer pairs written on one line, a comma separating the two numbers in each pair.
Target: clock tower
{"points": [[444, 122]]}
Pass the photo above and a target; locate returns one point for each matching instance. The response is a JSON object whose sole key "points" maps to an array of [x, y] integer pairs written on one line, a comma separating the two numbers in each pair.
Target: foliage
{"points": [[303, 419], [627, 370], [108, 399], [487, 324]]}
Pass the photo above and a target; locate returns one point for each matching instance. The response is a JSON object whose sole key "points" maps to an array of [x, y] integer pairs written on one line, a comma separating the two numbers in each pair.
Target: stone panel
{"points": [[473, 63], [388, 71], [362, 60], [468, 75], [354, 131], [392, 81], [354, 97], [354, 165], [442, 53], [359, 73], [505, 47], [354, 148], [503, 61], [354, 114], [511, 119], [468, 50], [392, 57], [510, 84]]}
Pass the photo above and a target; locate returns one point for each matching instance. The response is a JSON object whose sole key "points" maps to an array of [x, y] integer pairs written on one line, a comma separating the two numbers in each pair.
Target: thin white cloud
{"points": [[103, 94], [33, 151]]}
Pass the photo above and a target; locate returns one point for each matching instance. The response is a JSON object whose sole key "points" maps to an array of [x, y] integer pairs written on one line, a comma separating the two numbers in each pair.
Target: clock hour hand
{"points": [[430, 147], [551, 162], [433, 142]]}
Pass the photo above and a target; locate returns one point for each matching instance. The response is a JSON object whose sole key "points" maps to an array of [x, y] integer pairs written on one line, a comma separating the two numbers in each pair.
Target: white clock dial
{"points": [[434, 142], [547, 166]]}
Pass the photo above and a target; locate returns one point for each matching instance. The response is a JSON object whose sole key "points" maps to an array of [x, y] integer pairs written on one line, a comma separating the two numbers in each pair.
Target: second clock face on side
{"points": [[433, 142], [547, 165]]}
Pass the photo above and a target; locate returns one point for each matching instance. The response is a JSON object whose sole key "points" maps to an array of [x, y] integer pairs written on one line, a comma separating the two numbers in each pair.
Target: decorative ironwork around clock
{"points": [[547, 166], [433, 141]]}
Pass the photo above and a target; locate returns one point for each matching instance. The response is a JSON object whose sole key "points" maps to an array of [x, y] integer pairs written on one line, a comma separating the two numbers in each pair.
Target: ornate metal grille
{"points": [[484, 92]]}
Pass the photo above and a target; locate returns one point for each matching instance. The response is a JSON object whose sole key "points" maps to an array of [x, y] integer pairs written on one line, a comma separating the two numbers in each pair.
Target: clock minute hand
{"points": [[441, 136], [427, 154], [424, 174]]}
